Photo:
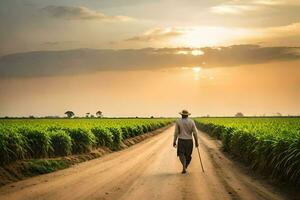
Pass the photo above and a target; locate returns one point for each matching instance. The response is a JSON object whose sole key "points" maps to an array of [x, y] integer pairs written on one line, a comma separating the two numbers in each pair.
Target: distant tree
{"points": [[279, 114], [31, 117], [99, 114], [87, 114], [92, 116], [152, 117], [70, 114], [239, 114]]}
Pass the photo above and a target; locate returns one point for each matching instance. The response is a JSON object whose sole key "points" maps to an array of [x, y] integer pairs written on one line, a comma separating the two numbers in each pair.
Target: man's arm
{"points": [[195, 134], [176, 132]]}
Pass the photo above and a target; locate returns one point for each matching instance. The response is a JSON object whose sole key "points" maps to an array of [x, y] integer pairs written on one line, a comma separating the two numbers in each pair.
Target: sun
{"points": [[196, 69], [197, 52], [202, 36]]}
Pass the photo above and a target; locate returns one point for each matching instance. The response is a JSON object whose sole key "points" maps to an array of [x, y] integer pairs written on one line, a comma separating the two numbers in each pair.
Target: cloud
{"points": [[78, 61], [157, 34], [276, 2], [247, 54], [288, 35], [197, 36], [233, 9], [81, 13], [56, 43], [254, 6], [291, 29]]}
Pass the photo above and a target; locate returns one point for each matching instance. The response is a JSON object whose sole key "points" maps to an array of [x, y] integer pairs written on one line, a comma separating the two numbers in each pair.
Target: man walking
{"points": [[185, 128]]}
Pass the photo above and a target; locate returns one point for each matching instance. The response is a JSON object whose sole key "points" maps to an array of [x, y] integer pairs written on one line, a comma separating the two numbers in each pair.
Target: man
{"points": [[185, 129]]}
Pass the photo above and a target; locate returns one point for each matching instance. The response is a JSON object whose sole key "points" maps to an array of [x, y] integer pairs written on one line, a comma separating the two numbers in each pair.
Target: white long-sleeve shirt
{"points": [[185, 128]]}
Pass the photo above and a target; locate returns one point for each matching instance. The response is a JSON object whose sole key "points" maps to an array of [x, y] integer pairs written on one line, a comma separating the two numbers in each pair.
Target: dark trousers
{"points": [[184, 151]]}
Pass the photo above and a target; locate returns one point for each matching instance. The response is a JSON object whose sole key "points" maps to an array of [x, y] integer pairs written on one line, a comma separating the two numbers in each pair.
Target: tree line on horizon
{"points": [[71, 114], [99, 114]]}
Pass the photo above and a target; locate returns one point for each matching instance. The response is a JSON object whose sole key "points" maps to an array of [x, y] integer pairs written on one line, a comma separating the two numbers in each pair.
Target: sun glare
{"points": [[209, 36], [197, 52], [182, 52], [196, 69]]}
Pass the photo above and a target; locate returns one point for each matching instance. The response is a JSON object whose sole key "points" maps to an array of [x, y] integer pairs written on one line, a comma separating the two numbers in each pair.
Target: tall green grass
{"points": [[42, 138], [61, 143], [13, 146], [269, 145]]}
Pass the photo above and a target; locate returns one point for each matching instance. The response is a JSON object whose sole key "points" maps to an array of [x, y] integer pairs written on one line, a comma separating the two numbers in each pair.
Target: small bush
{"points": [[137, 130], [82, 140], [242, 145], [154, 127], [12, 146], [161, 124], [125, 132], [61, 143], [116, 136], [218, 131], [148, 126], [130, 131], [144, 128], [103, 136], [226, 138], [38, 142]]}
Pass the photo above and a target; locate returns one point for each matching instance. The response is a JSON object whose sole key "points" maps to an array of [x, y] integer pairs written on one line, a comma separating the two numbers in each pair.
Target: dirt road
{"points": [[148, 170]]}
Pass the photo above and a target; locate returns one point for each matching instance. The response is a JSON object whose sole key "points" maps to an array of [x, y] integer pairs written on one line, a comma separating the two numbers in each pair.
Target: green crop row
{"points": [[269, 145], [42, 138]]}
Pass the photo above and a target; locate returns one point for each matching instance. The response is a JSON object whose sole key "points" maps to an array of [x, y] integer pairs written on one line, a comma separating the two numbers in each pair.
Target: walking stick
{"points": [[200, 159]]}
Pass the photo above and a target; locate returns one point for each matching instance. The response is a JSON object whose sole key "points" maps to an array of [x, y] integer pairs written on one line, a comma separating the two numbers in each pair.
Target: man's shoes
{"points": [[183, 171]]}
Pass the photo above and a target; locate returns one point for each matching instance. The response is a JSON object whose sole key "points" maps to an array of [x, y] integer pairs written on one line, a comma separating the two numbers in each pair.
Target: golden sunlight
{"points": [[196, 69], [197, 52], [182, 52], [80, 79], [209, 36]]}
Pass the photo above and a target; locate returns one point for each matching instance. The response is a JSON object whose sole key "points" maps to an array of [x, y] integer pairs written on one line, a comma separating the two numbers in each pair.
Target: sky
{"points": [[144, 58]]}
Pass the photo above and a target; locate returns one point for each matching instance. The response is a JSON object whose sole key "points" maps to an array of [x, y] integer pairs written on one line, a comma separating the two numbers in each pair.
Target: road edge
{"points": [[24, 169]]}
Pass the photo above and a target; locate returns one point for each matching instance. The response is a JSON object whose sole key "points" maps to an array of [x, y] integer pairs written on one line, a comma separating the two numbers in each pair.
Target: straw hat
{"points": [[184, 112]]}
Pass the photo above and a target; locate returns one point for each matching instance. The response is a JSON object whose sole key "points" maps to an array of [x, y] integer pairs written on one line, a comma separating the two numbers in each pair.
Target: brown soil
{"points": [[149, 170]]}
